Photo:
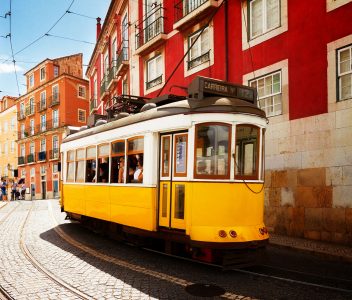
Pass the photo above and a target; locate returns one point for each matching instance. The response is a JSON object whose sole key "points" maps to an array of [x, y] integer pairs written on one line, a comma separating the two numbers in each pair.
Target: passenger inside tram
{"points": [[121, 174]]}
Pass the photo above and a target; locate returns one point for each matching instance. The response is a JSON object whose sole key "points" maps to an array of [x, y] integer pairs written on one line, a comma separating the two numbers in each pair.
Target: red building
{"points": [[298, 56], [56, 102]]}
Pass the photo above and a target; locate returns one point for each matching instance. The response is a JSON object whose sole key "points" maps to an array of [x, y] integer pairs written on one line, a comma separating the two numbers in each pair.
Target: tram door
{"points": [[172, 188]]}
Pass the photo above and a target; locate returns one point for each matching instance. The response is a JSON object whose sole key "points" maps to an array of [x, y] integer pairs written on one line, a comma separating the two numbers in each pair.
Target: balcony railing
{"points": [[154, 82], [198, 60], [41, 155], [185, 7], [31, 158], [30, 110], [150, 27], [41, 105], [54, 154], [122, 60], [111, 74], [23, 134], [54, 100], [104, 85], [21, 115], [43, 127], [93, 104], [21, 160]]}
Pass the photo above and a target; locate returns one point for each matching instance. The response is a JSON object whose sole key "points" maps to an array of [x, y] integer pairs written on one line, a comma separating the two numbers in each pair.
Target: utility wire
{"points": [[40, 37], [7, 14], [13, 56], [190, 47], [67, 38], [85, 16]]}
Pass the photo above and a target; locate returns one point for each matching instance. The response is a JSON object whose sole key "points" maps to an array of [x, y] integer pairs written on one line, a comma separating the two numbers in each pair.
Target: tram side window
{"points": [[70, 166], [212, 153], [91, 154], [80, 156], [135, 149], [117, 162], [247, 152], [103, 163]]}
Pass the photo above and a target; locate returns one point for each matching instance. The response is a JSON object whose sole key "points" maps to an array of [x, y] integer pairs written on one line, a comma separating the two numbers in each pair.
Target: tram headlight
{"points": [[222, 233]]}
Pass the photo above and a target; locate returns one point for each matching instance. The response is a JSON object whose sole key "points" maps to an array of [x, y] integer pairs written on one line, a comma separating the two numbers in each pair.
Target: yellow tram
{"points": [[181, 174]]}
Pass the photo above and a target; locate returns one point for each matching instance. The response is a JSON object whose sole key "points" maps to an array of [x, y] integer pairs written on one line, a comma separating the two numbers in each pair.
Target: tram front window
{"points": [[212, 151], [247, 152]]}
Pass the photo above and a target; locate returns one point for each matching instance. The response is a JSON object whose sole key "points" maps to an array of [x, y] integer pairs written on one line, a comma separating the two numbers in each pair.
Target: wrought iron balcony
{"points": [[122, 60], [187, 11], [54, 154], [54, 99], [21, 115], [150, 27], [43, 127], [41, 105], [111, 74], [154, 82], [42, 156], [198, 60], [30, 110], [21, 160], [22, 135], [104, 86], [31, 158]]}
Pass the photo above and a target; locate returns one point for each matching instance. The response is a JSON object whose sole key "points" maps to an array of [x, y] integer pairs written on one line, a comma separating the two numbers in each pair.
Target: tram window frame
{"points": [[92, 161], [257, 157], [115, 161], [133, 156], [229, 143], [175, 173], [70, 164], [168, 154], [82, 161], [106, 159]]}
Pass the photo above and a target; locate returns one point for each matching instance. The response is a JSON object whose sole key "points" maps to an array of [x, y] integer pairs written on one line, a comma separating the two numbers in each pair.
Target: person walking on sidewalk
{"points": [[13, 190], [3, 190], [23, 191]]}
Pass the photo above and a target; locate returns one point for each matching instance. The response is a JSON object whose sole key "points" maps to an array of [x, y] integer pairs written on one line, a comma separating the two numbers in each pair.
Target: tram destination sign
{"points": [[202, 87]]}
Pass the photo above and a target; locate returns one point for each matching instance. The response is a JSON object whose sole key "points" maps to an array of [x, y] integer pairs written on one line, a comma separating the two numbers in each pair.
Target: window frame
{"points": [[82, 88], [198, 42], [206, 176], [76, 164], [174, 173], [258, 158], [119, 155], [271, 95], [339, 74], [42, 74], [155, 78], [78, 115], [265, 30], [68, 161]]}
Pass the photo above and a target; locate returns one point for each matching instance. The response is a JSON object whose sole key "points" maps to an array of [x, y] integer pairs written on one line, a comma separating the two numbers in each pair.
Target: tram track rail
{"points": [[228, 295], [41, 268]]}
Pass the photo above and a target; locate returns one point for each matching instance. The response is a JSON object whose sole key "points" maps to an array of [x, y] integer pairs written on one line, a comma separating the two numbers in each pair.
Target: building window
{"points": [[200, 51], [42, 74], [81, 91], [6, 127], [56, 71], [13, 123], [344, 66], [154, 72], [55, 118], [22, 131], [55, 90], [43, 123], [23, 150], [32, 148], [269, 93], [42, 100], [31, 80], [264, 16], [32, 172], [12, 146], [81, 115], [31, 127]]}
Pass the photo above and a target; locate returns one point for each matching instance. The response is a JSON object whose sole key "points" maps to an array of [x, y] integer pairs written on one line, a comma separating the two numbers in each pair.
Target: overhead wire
{"points": [[82, 15], [13, 56], [67, 38], [44, 35]]}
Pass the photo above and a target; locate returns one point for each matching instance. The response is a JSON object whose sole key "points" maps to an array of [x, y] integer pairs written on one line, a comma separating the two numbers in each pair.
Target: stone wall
{"points": [[309, 177]]}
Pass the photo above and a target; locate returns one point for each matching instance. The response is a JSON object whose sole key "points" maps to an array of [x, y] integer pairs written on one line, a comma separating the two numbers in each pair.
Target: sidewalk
{"points": [[323, 249]]}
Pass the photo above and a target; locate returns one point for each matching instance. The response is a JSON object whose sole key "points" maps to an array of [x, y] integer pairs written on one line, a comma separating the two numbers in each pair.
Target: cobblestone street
{"points": [[44, 256]]}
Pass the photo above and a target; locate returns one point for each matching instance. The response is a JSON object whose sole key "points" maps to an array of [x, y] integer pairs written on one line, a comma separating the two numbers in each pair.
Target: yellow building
{"points": [[8, 137]]}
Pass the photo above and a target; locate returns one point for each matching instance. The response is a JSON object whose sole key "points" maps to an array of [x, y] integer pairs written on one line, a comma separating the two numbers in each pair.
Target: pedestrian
{"points": [[13, 190], [23, 191], [3, 190]]}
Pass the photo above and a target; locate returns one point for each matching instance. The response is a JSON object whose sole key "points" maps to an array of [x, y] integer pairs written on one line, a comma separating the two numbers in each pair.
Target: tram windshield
{"points": [[212, 151]]}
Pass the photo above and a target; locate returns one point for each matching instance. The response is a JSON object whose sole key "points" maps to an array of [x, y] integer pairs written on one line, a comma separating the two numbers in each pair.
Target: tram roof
{"points": [[188, 106]]}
